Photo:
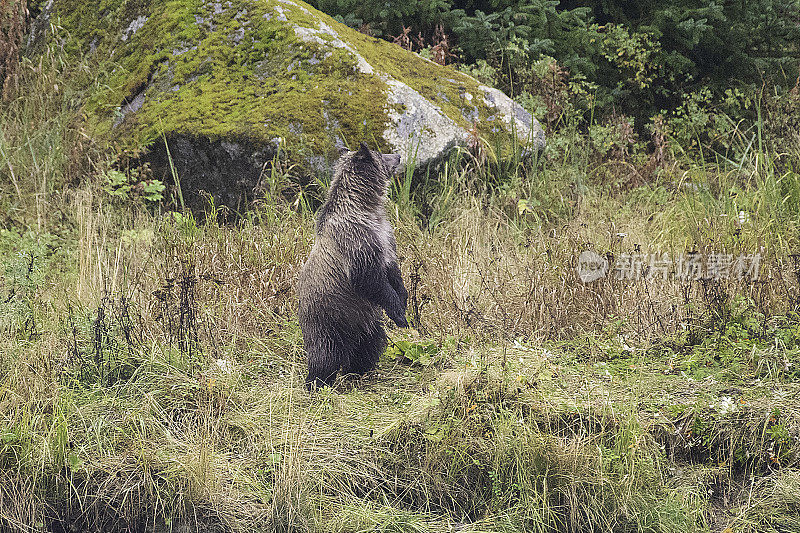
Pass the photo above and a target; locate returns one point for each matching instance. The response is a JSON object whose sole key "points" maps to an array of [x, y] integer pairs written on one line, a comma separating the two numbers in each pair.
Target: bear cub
{"points": [[351, 274]]}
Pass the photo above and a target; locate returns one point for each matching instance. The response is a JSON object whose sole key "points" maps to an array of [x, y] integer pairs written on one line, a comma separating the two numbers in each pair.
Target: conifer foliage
{"points": [[637, 57]]}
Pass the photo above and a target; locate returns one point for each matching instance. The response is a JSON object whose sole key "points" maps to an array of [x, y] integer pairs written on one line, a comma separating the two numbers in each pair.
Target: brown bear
{"points": [[351, 274]]}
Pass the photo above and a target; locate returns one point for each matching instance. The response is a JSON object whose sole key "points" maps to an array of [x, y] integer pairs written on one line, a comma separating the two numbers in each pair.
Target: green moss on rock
{"points": [[252, 69], [229, 69]]}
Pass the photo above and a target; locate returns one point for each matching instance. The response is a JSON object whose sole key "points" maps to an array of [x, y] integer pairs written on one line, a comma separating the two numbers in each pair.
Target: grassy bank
{"points": [[151, 376]]}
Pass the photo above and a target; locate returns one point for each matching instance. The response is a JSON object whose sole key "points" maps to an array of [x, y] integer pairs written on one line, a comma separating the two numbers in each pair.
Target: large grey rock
{"points": [[225, 82]]}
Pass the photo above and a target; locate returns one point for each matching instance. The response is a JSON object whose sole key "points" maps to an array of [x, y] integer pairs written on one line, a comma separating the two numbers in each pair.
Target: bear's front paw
{"points": [[401, 322]]}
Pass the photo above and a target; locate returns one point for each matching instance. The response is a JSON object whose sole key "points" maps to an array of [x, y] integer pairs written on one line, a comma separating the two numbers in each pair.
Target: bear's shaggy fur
{"points": [[352, 271]]}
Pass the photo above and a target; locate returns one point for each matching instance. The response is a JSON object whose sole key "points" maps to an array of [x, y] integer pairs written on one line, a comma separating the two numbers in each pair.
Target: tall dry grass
{"points": [[151, 375]]}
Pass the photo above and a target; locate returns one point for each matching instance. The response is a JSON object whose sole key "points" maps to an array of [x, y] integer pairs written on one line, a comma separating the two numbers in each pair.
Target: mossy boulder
{"points": [[223, 84]]}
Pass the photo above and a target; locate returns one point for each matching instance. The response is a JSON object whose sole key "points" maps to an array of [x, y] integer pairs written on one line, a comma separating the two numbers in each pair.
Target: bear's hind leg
{"points": [[325, 357], [366, 353]]}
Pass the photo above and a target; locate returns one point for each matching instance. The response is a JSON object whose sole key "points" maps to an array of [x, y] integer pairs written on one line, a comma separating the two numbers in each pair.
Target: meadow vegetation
{"points": [[151, 364]]}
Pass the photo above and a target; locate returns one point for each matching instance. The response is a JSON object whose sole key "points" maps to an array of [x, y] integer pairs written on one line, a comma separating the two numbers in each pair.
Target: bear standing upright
{"points": [[351, 273]]}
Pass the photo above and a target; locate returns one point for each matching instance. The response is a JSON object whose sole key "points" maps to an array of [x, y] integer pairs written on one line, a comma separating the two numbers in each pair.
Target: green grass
{"points": [[151, 375]]}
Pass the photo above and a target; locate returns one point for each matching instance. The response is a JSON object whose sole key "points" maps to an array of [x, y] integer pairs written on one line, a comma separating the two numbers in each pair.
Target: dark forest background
{"points": [[638, 59]]}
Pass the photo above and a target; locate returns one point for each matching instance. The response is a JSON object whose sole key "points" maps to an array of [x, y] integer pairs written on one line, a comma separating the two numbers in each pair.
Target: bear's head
{"points": [[365, 171]]}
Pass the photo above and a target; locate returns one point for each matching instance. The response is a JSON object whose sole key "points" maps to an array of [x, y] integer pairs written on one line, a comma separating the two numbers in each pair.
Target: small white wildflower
{"points": [[726, 405], [744, 217], [518, 345], [225, 365]]}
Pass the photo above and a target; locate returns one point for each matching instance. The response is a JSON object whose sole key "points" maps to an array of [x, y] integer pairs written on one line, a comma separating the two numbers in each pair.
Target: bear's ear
{"points": [[391, 161], [363, 150]]}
